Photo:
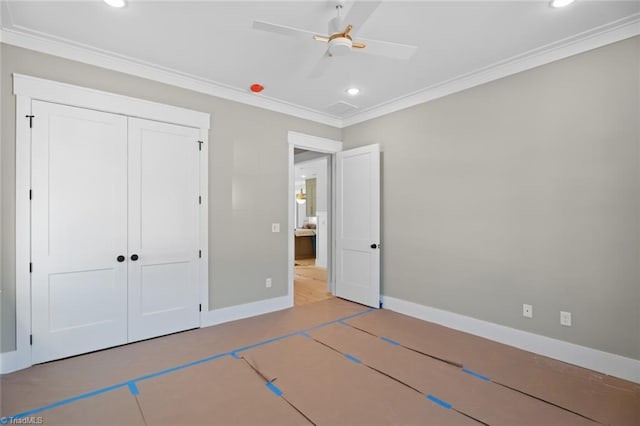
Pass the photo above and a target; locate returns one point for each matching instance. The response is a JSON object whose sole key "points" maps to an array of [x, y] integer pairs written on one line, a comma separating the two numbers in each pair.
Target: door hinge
{"points": [[200, 253], [200, 307], [30, 194], [199, 199], [31, 339], [30, 117], [30, 267], [200, 145]]}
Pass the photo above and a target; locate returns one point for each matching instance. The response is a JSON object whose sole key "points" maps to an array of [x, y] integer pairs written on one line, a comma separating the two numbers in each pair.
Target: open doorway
{"points": [[353, 218], [312, 172]]}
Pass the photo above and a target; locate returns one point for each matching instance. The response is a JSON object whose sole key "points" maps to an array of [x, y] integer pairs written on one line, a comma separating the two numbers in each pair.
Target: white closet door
{"points": [[79, 228], [163, 228]]}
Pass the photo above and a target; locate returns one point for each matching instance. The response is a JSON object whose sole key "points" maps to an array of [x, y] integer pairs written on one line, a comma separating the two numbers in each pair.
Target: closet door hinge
{"points": [[199, 199], [200, 145], [30, 267], [31, 339], [30, 117], [30, 194], [200, 254], [200, 307]]}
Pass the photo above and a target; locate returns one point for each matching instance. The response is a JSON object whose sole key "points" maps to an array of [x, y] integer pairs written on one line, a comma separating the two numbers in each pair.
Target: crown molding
{"points": [[597, 37], [44, 43]]}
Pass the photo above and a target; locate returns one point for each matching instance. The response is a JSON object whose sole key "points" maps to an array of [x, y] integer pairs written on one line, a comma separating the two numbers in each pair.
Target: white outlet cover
{"points": [[565, 318], [527, 311], [268, 283]]}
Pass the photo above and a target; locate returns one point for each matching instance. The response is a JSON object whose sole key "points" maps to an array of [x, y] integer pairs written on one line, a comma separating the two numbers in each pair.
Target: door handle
{"points": [[374, 246], [120, 258], [134, 257]]}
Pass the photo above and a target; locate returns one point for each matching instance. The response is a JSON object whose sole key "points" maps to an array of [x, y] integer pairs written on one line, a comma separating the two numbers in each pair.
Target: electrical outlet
{"points": [[268, 283], [527, 311], [275, 227], [565, 318]]}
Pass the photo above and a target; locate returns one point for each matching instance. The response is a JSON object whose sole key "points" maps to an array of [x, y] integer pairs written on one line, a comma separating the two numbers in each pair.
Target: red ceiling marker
{"points": [[257, 88]]}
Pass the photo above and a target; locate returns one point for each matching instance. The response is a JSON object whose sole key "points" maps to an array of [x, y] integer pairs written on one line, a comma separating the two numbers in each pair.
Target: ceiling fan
{"points": [[341, 35]]}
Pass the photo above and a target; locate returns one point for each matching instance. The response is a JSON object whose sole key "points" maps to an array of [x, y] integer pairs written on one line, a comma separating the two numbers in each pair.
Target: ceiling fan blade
{"points": [[282, 29], [388, 49], [321, 38], [360, 12], [321, 66]]}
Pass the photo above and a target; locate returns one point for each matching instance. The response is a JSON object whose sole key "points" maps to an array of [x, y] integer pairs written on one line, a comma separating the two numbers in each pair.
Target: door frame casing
{"points": [[26, 89], [317, 144]]}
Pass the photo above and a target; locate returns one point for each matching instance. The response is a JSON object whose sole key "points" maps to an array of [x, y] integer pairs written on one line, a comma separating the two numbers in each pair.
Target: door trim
{"points": [[26, 89], [312, 143]]}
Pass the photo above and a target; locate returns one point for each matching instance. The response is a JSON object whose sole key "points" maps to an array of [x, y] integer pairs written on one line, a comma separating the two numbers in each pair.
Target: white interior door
{"points": [[163, 228], [358, 225], [79, 228]]}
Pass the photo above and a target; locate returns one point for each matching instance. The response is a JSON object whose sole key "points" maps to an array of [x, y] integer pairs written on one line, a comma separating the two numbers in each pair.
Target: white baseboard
{"points": [[14, 361], [232, 313], [593, 359], [18, 360]]}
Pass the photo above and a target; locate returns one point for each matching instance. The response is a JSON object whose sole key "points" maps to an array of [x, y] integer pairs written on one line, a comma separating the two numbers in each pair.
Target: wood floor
{"points": [[310, 283]]}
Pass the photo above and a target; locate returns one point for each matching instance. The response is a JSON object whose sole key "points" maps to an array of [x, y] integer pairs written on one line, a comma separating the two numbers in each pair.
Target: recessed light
{"points": [[560, 3], [353, 91], [116, 3]]}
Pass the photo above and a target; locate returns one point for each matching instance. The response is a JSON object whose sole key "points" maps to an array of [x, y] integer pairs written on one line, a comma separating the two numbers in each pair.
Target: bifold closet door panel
{"points": [[163, 228], [78, 230]]}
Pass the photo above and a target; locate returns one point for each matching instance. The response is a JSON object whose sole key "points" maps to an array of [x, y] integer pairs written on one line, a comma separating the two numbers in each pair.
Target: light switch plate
{"points": [[275, 227]]}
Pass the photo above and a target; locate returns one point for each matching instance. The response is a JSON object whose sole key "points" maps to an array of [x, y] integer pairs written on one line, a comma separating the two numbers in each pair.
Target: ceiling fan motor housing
{"points": [[339, 46]]}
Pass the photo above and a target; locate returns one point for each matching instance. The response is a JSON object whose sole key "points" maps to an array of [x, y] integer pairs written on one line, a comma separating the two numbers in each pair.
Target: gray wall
{"points": [[248, 179], [523, 190]]}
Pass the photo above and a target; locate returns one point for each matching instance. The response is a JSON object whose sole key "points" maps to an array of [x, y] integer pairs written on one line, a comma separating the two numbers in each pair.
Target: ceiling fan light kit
{"points": [[339, 46]]}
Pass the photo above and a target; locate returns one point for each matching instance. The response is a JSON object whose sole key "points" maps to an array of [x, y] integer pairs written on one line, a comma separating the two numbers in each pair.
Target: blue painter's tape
{"points": [[273, 388], [386, 339], [133, 388], [352, 358], [128, 384], [348, 317], [344, 323], [66, 401], [266, 342], [297, 333], [440, 402], [305, 334], [477, 375], [182, 367]]}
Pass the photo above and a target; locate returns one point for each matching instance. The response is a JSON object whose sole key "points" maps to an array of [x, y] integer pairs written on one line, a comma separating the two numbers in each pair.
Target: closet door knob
{"points": [[134, 257], [120, 258]]}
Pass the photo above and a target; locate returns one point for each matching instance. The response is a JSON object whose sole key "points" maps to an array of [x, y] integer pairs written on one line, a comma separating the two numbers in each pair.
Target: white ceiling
{"points": [[212, 46]]}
